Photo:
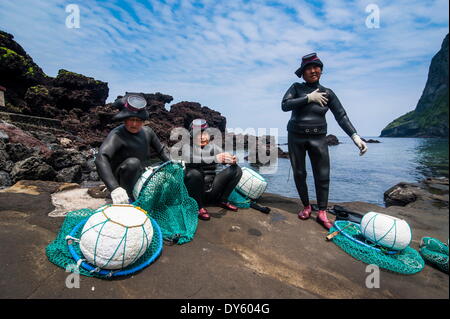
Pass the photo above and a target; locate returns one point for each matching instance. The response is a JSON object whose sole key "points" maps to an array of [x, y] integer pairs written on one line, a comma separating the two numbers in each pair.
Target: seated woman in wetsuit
{"points": [[201, 180], [307, 129]]}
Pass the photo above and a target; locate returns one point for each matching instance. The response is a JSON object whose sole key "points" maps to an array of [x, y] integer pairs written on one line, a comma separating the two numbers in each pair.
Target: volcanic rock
{"points": [[5, 179], [16, 135], [400, 195], [32, 168], [63, 158], [370, 140], [69, 174], [332, 140], [431, 191], [18, 152]]}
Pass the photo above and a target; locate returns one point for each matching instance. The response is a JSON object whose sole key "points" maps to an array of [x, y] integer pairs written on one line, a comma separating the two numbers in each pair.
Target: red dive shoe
{"points": [[305, 213], [322, 219], [228, 206], [203, 214]]}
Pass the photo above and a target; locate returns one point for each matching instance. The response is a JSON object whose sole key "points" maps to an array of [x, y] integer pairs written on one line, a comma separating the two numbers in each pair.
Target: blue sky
{"points": [[238, 57]]}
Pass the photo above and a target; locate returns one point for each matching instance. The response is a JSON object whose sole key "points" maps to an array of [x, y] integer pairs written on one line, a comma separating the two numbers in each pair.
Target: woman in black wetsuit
{"points": [[201, 180], [307, 129]]}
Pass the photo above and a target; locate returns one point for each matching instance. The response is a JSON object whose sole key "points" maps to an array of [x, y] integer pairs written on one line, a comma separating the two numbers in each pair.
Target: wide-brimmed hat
{"points": [[308, 59], [131, 105]]}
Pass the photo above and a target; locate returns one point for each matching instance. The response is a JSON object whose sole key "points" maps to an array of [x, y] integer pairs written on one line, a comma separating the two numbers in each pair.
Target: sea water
{"points": [[366, 178]]}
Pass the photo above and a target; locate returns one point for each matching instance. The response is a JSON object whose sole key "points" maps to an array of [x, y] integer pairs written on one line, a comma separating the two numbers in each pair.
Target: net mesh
{"points": [[435, 253], [165, 197], [351, 240], [58, 252], [239, 200]]}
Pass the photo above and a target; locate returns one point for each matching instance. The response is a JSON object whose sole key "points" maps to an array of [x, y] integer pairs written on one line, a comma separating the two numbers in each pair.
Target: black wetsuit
{"points": [[123, 156], [201, 179], [307, 131]]}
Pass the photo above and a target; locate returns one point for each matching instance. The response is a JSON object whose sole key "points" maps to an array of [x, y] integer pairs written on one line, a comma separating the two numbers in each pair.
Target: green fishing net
{"points": [[435, 252], [239, 200], [351, 240], [165, 197], [58, 252]]}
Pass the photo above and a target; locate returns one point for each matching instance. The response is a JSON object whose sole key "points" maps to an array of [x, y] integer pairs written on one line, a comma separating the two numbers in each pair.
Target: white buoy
{"points": [[138, 186], [116, 236], [387, 231], [251, 184]]}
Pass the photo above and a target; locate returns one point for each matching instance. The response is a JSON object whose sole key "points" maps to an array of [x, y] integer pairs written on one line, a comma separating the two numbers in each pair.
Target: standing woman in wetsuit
{"points": [[307, 129], [202, 181]]}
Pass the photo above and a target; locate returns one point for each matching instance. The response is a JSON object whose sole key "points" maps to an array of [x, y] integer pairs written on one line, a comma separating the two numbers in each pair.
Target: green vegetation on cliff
{"points": [[430, 117]]}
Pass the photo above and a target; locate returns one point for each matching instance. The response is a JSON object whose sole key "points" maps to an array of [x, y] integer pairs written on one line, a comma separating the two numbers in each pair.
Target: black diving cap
{"points": [[131, 105], [308, 59]]}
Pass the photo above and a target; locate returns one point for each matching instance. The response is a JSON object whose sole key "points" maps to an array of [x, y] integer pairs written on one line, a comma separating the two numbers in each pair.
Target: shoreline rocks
{"points": [[428, 192]]}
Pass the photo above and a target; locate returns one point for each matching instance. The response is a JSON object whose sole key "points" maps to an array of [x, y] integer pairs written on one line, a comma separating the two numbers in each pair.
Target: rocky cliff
{"points": [[50, 127], [430, 117]]}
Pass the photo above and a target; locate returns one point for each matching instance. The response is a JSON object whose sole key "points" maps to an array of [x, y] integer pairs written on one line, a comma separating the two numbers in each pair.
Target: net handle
{"points": [[336, 224]]}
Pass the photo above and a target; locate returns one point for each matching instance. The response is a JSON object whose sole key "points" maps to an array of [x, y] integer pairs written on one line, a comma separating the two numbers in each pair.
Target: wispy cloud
{"points": [[238, 57]]}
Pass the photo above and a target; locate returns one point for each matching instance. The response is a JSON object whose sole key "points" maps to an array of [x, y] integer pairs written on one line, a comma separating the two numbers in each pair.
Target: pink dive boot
{"points": [[305, 213], [323, 219], [203, 214]]}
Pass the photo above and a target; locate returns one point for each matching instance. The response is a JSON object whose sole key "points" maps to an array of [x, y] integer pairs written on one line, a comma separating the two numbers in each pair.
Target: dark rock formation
{"points": [[5, 179], [69, 174], [370, 140], [332, 140], [431, 191], [32, 168], [430, 117], [59, 121], [17, 72], [400, 195], [31, 91], [282, 154], [63, 158], [16, 135], [72, 90]]}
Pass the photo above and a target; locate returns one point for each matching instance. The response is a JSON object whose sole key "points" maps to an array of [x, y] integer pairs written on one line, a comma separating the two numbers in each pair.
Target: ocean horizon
{"points": [[366, 178]]}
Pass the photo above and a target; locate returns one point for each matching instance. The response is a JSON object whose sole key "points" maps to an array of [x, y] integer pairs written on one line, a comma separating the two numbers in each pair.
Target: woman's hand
{"points": [[317, 97], [226, 158], [119, 196], [360, 144]]}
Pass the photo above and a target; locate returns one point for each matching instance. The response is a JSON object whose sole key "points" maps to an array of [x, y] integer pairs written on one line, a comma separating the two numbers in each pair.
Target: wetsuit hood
{"points": [[131, 105], [308, 59]]}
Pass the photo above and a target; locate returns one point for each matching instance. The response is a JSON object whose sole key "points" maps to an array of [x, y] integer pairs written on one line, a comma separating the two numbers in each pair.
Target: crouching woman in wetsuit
{"points": [[307, 131], [126, 151], [201, 180]]}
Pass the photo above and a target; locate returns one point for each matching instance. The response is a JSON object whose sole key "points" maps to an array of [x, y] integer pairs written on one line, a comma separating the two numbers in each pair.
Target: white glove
{"points": [[181, 162], [360, 144], [119, 196], [318, 97]]}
